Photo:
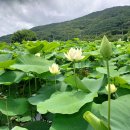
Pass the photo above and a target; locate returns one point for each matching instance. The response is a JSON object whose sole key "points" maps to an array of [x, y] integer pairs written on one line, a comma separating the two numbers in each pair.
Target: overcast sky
{"points": [[20, 14]]}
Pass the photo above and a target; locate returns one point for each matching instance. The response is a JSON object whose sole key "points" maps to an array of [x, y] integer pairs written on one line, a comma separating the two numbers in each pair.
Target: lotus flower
{"points": [[112, 88], [54, 69], [118, 46], [74, 54], [38, 54]]}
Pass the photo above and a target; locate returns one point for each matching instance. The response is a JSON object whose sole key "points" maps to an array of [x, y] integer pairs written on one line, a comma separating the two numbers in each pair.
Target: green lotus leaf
{"points": [[43, 94], [93, 84], [19, 128], [9, 77], [12, 107], [120, 117], [113, 72], [4, 128], [6, 60], [96, 122], [75, 82], [65, 102], [31, 63], [37, 125], [74, 121]]}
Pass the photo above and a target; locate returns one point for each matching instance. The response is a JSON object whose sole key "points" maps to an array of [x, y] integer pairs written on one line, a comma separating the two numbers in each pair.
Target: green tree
{"points": [[26, 35]]}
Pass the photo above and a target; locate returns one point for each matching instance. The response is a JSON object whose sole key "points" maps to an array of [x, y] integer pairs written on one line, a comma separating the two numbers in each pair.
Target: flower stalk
{"points": [[106, 52], [109, 96], [55, 82], [35, 84], [74, 55], [8, 120], [74, 68]]}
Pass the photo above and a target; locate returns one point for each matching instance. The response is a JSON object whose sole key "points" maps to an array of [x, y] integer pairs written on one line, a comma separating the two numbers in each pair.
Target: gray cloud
{"points": [[19, 14]]}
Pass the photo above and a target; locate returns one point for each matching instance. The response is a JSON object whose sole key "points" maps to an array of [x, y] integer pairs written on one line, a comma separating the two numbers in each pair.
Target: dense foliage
{"points": [[32, 98], [114, 22], [23, 35]]}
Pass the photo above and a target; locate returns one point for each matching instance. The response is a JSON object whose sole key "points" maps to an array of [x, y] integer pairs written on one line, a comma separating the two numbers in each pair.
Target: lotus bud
{"points": [[106, 48], [54, 69], [112, 88], [74, 54]]}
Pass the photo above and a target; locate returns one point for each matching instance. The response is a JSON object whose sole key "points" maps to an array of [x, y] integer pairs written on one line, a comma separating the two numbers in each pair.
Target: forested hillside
{"points": [[114, 22]]}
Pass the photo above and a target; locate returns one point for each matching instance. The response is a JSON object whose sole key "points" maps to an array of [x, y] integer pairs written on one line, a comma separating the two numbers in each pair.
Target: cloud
{"points": [[19, 14]]}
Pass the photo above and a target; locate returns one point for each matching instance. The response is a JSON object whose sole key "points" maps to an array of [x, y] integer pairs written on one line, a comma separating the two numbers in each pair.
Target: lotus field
{"points": [[65, 85]]}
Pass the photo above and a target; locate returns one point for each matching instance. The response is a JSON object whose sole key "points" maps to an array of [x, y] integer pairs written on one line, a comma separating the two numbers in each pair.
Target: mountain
{"points": [[114, 22]]}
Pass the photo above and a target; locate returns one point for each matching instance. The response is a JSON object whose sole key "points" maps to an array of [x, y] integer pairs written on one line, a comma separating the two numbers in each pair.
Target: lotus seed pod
{"points": [[106, 48]]}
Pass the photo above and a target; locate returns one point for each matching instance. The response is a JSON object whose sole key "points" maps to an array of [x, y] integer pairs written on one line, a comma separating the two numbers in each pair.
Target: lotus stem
{"points": [[35, 84], [74, 68], [55, 82], [30, 93], [9, 90], [109, 96], [8, 120]]}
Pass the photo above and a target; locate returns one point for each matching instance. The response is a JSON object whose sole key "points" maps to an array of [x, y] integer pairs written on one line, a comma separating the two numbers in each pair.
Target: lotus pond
{"points": [[71, 94]]}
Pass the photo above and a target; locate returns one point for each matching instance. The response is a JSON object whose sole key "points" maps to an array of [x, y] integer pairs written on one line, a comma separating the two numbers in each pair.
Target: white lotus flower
{"points": [[38, 54], [74, 54], [112, 88], [54, 69], [118, 46]]}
